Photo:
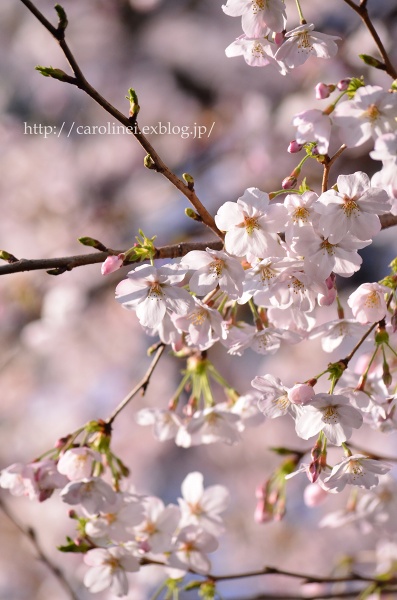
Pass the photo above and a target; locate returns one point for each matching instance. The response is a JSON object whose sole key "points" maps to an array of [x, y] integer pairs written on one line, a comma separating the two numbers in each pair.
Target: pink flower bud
{"points": [[323, 90], [278, 38], [301, 393], [111, 264], [343, 84], [289, 182], [294, 147]]}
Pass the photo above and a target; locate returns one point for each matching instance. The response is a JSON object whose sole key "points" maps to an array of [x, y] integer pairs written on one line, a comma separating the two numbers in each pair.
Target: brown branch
{"points": [[30, 533], [362, 12], [327, 167], [67, 263], [142, 385], [323, 595], [129, 122]]}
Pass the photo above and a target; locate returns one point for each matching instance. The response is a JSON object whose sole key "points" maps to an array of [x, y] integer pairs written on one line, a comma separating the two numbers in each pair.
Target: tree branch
{"points": [[158, 164], [362, 11], [67, 263], [142, 385], [30, 533], [327, 167]]}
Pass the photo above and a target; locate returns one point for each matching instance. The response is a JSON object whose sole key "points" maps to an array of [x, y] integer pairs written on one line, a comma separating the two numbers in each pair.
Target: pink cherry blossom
{"points": [[76, 463], [213, 268], [356, 470], [201, 506], [313, 125], [192, 545]]}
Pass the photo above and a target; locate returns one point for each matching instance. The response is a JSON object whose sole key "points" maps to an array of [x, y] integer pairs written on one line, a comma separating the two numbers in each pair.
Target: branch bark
{"points": [[68, 263], [81, 82]]}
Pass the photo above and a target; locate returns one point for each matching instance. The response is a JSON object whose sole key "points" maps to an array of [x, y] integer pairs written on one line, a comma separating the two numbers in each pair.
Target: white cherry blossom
{"points": [[313, 126], [76, 463], [258, 16], [192, 545], [213, 268], [108, 569], [252, 224], [321, 257], [356, 470], [368, 302], [371, 113], [302, 42], [354, 208], [151, 292], [334, 332], [166, 423], [94, 495], [203, 325], [201, 506], [257, 52], [330, 413], [117, 522], [274, 401], [158, 526], [209, 426]]}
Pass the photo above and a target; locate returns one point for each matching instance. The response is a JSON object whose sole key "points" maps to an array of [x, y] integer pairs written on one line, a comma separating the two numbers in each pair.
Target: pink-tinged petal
{"points": [[119, 585], [336, 433], [353, 185], [215, 499], [197, 259], [236, 242], [96, 557], [235, 8]]}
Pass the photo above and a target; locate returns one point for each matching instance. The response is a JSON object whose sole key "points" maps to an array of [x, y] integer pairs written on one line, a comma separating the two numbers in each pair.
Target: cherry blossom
{"points": [[302, 42], [258, 16], [213, 268], [252, 224], [77, 463], [109, 567], [352, 209], [371, 113], [368, 302], [116, 523], [313, 125], [274, 401], [356, 470], [257, 52], [166, 423], [208, 426], [94, 495], [201, 506], [151, 292], [191, 547], [203, 324], [330, 413], [321, 257], [158, 526], [334, 332]]}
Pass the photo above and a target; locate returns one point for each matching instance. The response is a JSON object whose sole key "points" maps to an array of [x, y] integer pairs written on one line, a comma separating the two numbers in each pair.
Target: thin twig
{"points": [[142, 385], [67, 263], [327, 167], [30, 533], [158, 164], [362, 11]]}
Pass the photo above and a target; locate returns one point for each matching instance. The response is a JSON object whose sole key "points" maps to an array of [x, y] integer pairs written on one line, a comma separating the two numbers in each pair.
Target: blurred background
{"points": [[69, 352]]}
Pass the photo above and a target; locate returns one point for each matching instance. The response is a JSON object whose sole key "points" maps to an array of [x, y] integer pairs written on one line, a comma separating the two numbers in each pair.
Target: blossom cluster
{"points": [[119, 530], [265, 40]]}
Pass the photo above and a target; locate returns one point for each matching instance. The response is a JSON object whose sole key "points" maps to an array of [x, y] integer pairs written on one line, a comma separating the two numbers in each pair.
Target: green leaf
{"points": [[373, 62]]}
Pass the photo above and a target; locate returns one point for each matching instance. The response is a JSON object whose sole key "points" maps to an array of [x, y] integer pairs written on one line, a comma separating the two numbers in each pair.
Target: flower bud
{"points": [[294, 147], [323, 90], [301, 393], [111, 264], [289, 182], [278, 38], [343, 84]]}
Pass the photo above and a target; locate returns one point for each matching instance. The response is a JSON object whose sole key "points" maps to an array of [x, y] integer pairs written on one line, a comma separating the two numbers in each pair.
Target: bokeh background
{"points": [[69, 352]]}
